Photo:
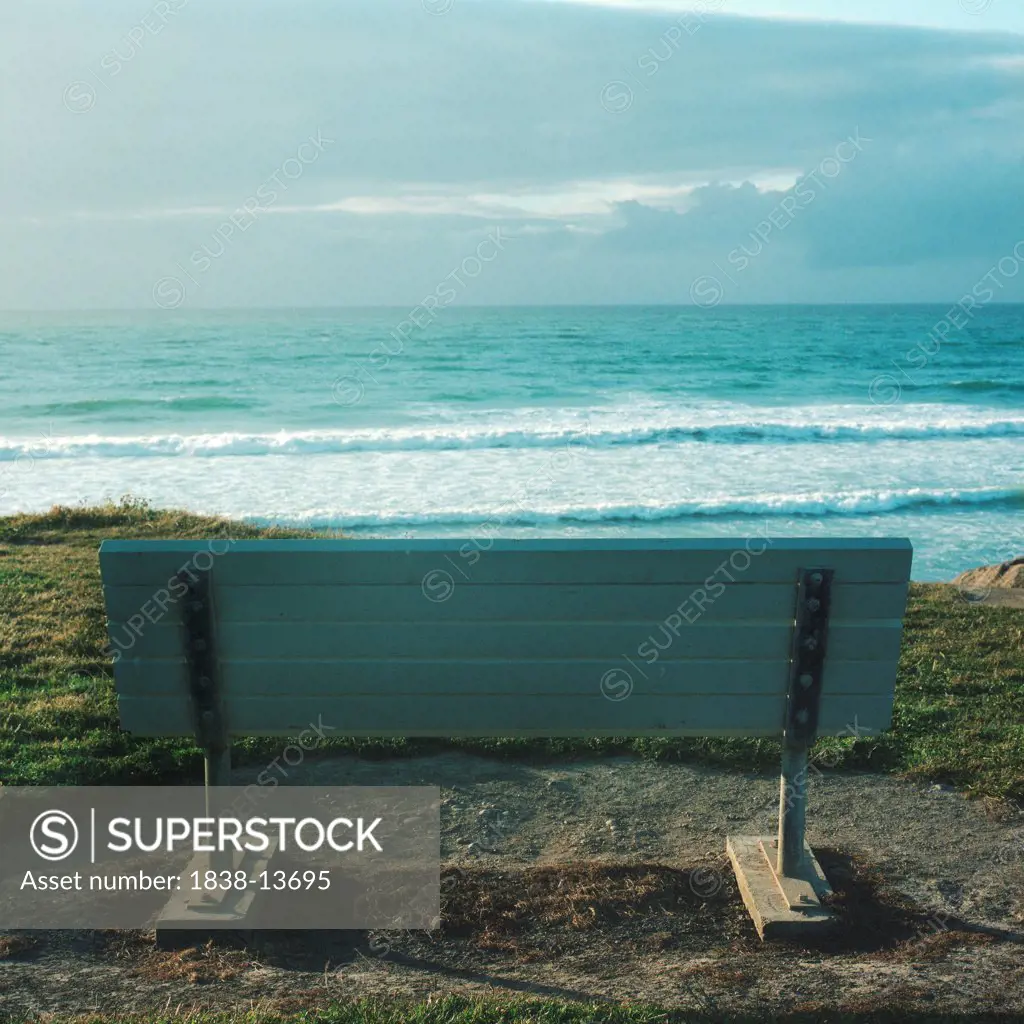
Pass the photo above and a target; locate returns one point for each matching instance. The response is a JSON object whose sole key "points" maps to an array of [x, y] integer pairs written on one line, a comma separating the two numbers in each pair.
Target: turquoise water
{"points": [[600, 421]]}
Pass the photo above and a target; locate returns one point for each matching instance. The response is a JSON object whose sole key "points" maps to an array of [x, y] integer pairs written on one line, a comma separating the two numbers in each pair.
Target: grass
{"points": [[959, 719], [460, 1010], [959, 715]]}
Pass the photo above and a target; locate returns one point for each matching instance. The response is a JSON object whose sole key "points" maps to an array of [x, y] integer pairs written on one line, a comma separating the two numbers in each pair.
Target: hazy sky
{"points": [[542, 150]]}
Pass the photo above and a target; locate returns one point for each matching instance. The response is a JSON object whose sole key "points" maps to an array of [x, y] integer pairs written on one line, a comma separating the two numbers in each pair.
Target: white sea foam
{"points": [[633, 424], [849, 503]]}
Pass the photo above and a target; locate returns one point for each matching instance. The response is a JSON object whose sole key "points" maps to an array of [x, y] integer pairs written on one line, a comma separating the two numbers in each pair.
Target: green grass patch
{"points": [[959, 715]]}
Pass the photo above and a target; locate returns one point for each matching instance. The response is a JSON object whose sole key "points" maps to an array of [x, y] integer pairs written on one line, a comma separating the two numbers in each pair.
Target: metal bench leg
{"points": [[191, 916], [217, 765], [204, 684], [792, 811], [780, 880], [218, 770]]}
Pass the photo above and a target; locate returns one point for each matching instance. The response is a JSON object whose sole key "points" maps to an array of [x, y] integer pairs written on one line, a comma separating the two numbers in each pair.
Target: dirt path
{"points": [[607, 879]]}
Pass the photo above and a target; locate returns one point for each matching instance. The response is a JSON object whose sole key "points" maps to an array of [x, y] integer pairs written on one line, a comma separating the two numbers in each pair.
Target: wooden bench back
{"points": [[516, 638]]}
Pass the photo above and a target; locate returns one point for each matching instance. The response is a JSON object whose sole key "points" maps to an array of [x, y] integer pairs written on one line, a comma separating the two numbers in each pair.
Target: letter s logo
{"points": [[54, 826]]}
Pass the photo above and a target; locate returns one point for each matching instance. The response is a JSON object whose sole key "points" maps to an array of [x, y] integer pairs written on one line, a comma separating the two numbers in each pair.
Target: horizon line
{"points": [[499, 306]]}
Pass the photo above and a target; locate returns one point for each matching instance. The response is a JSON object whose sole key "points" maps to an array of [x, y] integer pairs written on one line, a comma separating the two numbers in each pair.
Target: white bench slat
{"points": [[137, 678], [287, 641], [510, 716], [253, 563], [638, 603]]}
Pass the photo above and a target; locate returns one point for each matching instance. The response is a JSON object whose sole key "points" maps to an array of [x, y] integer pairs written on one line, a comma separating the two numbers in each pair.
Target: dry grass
{"points": [[14, 945], [489, 904], [195, 965]]}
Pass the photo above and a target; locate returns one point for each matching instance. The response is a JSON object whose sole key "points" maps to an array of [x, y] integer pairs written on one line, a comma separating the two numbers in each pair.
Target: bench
{"points": [[786, 638]]}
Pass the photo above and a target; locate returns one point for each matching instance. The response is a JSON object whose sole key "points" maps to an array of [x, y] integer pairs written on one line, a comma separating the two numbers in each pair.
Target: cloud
{"points": [[883, 212], [442, 127]]}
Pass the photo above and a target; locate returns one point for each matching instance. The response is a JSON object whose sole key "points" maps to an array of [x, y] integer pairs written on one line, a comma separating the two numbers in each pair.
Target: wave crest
{"points": [[602, 430], [851, 503]]}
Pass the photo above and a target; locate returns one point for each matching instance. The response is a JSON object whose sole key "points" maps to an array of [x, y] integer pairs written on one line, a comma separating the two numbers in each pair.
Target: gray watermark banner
{"points": [[252, 857]]}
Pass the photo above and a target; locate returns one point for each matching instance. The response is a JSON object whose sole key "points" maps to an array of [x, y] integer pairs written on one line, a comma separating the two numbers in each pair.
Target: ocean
{"points": [[483, 422]]}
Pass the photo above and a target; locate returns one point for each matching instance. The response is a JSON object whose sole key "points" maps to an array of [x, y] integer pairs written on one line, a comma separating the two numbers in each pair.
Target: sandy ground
{"points": [[607, 879]]}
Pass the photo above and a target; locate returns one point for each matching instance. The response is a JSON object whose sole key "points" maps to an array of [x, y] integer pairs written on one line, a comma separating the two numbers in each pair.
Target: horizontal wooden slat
{"points": [[652, 560], [288, 641], [343, 632], [240, 679], [526, 602], [509, 715]]}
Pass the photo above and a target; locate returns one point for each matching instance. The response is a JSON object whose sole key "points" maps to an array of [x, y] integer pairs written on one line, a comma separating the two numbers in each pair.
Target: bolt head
{"points": [[801, 716], [810, 643], [806, 680], [813, 604], [816, 578]]}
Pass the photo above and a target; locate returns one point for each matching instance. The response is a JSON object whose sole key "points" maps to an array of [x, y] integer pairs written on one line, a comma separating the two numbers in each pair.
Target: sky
{"points": [[227, 154]]}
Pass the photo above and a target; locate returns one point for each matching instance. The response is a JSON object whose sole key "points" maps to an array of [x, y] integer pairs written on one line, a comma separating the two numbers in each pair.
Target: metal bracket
{"points": [[810, 635], [211, 733]]}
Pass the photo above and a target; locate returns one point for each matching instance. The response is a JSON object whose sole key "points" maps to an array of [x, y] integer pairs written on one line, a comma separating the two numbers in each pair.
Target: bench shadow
{"points": [[873, 919], [327, 952]]}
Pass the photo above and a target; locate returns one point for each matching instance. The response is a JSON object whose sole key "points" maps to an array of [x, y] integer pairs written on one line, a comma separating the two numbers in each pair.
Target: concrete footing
{"points": [[782, 907], [194, 916]]}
